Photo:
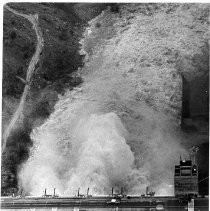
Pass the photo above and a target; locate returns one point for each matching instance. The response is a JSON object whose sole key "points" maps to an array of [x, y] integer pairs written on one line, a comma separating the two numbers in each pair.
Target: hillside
{"points": [[123, 119], [140, 74], [62, 29]]}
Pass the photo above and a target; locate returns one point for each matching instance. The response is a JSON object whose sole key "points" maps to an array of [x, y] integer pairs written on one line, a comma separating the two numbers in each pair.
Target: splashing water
{"points": [[101, 136], [94, 155], [79, 147], [82, 146]]}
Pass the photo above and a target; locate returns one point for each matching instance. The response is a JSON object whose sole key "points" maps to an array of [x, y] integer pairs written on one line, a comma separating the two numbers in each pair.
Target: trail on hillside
{"points": [[18, 115]]}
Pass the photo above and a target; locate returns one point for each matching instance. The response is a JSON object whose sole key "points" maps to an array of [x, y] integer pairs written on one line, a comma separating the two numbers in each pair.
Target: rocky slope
{"points": [[154, 49]]}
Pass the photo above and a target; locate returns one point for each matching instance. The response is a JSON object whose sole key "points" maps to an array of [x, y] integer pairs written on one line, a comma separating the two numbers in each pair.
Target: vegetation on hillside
{"points": [[62, 26]]}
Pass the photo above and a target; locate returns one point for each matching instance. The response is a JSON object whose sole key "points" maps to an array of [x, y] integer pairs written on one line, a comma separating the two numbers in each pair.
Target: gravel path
{"points": [[18, 116]]}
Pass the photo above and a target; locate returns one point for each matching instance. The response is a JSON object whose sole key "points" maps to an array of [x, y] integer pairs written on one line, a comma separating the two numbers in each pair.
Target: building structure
{"points": [[186, 176]]}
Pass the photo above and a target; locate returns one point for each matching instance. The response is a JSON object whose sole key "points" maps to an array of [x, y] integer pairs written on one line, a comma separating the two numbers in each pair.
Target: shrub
{"points": [[115, 8], [64, 35], [98, 25], [13, 35]]}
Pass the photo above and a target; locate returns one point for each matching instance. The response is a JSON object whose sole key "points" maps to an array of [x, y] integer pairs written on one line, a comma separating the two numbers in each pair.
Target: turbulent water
{"points": [[102, 135]]}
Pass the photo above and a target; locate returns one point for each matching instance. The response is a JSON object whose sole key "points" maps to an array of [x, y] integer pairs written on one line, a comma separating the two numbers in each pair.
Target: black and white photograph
{"points": [[105, 106]]}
